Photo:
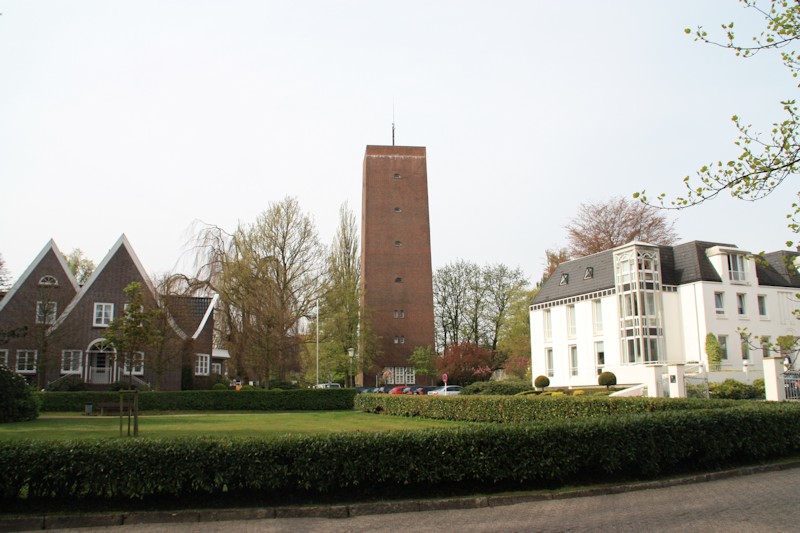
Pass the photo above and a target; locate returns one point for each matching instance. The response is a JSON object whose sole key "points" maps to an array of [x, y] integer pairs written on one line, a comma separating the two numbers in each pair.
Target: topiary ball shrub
{"points": [[220, 386], [17, 401], [607, 379], [541, 382]]}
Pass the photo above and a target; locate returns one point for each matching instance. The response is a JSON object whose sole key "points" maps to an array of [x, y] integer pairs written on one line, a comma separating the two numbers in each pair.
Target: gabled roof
{"points": [[190, 313], [50, 246], [122, 243]]}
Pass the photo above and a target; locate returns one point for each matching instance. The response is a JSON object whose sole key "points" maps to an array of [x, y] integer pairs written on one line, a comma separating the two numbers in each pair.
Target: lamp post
{"points": [[317, 324], [351, 352]]}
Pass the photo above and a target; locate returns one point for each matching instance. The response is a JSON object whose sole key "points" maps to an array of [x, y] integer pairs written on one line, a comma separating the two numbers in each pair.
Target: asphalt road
{"points": [[763, 502]]}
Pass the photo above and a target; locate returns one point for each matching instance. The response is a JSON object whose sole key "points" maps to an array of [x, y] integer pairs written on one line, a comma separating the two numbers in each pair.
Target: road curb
{"points": [[68, 520]]}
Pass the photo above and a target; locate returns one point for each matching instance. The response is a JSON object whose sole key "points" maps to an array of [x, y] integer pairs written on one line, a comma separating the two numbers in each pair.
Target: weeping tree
{"points": [[267, 275]]}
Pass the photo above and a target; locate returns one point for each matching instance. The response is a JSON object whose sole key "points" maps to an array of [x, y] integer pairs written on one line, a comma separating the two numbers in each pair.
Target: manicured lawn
{"points": [[54, 427]]}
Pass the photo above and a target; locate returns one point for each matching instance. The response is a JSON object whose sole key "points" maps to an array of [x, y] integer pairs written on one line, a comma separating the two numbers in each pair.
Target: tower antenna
{"points": [[392, 121]]}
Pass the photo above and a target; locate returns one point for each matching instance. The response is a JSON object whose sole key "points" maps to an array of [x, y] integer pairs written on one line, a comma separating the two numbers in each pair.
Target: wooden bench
{"points": [[108, 406]]}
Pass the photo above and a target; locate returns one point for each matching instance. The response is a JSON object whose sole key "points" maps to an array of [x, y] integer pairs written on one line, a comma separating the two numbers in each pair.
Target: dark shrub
{"points": [[607, 379], [542, 382], [17, 401], [219, 386], [730, 389]]}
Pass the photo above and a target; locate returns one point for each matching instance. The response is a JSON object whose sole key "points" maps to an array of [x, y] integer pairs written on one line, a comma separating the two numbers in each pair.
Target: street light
{"points": [[351, 352]]}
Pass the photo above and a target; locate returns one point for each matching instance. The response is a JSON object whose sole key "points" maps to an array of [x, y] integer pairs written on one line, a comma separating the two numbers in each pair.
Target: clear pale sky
{"points": [[141, 117]]}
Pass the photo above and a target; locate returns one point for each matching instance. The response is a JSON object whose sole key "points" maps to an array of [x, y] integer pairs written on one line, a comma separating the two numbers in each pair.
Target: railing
{"points": [[59, 380], [791, 384]]}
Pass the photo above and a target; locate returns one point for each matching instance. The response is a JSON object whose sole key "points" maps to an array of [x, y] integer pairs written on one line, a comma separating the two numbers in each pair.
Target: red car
{"points": [[397, 390]]}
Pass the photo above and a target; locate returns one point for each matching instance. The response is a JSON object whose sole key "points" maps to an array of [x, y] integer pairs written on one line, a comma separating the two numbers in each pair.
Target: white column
{"points": [[653, 380], [677, 385], [773, 379]]}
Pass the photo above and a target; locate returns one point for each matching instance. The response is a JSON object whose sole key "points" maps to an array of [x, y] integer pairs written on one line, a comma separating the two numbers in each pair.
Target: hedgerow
{"points": [[523, 409], [505, 388], [210, 400], [354, 464]]}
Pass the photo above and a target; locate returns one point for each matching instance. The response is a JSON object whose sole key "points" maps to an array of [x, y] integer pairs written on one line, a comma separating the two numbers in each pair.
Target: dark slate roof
{"points": [[777, 269], [684, 263], [690, 263], [602, 265]]}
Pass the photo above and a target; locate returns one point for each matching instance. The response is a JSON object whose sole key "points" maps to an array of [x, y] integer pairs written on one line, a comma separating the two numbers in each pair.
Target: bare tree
{"points": [[471, 303], [602, 226], [267, 275]]}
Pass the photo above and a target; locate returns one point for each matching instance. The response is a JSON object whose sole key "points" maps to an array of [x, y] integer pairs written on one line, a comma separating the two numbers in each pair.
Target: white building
{"points": [[641, 304]]}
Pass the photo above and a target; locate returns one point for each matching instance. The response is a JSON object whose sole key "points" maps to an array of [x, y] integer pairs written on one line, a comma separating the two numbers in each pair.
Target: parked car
{"points": [[449, 390], [327, 386], [397, 390], [412, 389]]}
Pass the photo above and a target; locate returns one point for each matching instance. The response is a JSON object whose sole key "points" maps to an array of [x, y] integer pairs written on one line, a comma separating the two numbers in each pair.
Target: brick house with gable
{"points": [[66, 325]]}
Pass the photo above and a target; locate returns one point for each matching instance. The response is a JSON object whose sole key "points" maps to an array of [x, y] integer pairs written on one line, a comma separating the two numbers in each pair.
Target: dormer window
{"points": [[589, 274], [396, 176], [48, 281], [564, 279], [736, 268]]}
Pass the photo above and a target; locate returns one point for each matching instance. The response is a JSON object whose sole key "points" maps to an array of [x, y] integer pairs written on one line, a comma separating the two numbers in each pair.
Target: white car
{"points": [[327, 386], [449, 390]]}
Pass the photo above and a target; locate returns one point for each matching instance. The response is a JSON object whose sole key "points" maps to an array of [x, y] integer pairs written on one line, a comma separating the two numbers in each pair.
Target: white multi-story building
{"points": [[641, 304]]}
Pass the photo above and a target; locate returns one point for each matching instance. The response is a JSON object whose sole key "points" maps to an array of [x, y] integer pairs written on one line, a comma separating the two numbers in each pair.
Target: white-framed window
{"points": [[736, 268], [48, 281], [719, 303], [202, 362], [46, 312], [71, 361], [600, 354], [399, 313], [216, 368], [4, 358], [400, 375], [548, 362], [745, 350], [26, 361], [103, 315], [762, 306], [138, 365], [571, 322], [723, 342], [597, 317], [573, 360], [741, 305], [548, 325]]}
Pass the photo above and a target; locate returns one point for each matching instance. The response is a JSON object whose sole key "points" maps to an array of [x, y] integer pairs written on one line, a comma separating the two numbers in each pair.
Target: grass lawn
{"points": [[248, 424]]}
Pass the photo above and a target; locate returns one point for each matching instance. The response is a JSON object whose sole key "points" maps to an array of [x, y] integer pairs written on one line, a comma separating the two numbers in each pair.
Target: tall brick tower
{"points": [[396, 276]]}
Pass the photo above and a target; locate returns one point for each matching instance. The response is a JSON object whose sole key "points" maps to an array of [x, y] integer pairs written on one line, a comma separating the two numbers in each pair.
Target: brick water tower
{"points": [[396, 275]]}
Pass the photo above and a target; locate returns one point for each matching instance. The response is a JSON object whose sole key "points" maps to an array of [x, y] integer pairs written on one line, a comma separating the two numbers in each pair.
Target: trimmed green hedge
{"points": [[210, 400], [523, 409], [506, 388], [348, 465]]}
